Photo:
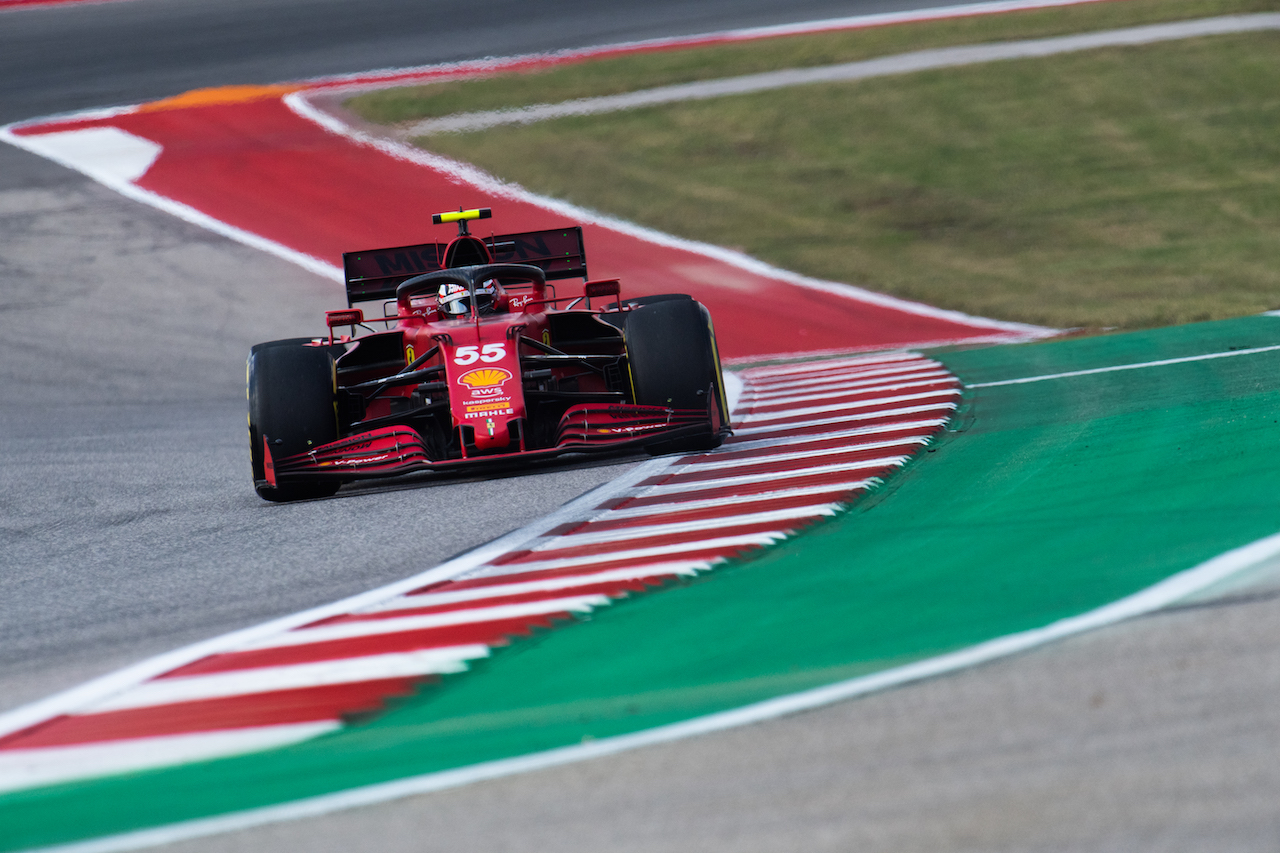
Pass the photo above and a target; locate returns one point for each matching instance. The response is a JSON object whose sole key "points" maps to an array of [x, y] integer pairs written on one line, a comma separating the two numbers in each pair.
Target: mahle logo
{"points": [[485, 377]]}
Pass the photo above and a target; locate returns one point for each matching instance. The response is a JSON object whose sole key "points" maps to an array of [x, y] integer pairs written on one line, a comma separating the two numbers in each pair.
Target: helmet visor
{"points": [[455, 301]]}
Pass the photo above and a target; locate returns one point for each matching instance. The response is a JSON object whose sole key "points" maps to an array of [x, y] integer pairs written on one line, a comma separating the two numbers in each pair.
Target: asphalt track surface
{"points": [[77, 56], [128, 526]]}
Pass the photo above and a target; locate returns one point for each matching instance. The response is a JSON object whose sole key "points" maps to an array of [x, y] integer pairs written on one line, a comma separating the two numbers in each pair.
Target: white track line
{"points": [[924, 60], [1139, 366]]}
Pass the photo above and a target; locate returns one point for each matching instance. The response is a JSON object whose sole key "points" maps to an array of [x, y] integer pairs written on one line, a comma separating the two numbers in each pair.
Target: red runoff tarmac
{"points": [[249, 161]]}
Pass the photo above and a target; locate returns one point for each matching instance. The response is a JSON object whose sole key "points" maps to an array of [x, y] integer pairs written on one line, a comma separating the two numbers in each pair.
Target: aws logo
{"points": [[484, 377]]}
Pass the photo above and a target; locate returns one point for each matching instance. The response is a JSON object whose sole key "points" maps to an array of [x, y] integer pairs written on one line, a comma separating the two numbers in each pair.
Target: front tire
{"points": [[674, 362], [292, 392]]}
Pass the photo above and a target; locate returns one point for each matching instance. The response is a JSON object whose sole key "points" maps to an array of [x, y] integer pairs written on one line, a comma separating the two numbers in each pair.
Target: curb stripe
{"points": [[700, 552], [810, 439], [684, 504], [802, 414], [841, 395], [21, 768], [867, 457], [836, 378], [587, 535], [816, 424], [780, 452], [787, 390], [698, 482], [490, 576], [461, 593], [406, 624], [608, 590], [274, 679], [694, 491], [765, 532]]}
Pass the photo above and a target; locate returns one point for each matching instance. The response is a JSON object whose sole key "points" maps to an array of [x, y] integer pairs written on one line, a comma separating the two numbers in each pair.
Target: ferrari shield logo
{"points": [[485, 377]]}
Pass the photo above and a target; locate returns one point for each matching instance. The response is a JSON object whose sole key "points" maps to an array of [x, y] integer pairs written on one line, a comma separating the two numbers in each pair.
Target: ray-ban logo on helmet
{"points": [[485, 377]]}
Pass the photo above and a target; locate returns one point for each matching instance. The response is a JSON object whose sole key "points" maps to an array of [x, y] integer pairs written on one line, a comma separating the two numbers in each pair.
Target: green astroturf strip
{"points": [[1045, 501]]}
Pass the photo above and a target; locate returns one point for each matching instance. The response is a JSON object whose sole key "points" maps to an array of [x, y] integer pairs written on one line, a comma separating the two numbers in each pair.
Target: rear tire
{"points": [[672, 355], [291, 403]]}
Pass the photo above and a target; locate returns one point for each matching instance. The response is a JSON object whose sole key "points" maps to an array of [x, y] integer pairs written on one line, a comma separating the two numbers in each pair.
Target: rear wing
{"points": [[374, 274]]}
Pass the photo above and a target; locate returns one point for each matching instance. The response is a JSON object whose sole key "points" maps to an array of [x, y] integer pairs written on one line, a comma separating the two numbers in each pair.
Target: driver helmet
{"points": [[455, 301]]}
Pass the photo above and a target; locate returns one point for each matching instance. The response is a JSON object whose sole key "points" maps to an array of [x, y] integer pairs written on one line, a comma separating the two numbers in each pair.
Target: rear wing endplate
{"points": [[374, 274]]}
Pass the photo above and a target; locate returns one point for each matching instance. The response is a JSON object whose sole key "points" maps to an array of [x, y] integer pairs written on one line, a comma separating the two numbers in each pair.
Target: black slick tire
{"points": [[672, 356], [291, 391]]}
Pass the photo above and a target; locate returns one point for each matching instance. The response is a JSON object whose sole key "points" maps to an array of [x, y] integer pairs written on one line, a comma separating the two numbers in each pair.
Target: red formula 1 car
{"points": [[479, 361]]}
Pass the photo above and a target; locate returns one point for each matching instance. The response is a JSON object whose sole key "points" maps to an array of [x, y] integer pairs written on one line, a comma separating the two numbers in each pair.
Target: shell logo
{"points": [[485, 377]]}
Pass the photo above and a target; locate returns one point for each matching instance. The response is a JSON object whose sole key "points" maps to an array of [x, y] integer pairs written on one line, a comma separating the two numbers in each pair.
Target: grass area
{"points": [[630, 72], [1121, 188]]}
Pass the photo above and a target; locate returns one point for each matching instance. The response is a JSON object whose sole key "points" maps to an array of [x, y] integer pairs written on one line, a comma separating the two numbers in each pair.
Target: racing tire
{"points": [[674, 362], [292, 393]]}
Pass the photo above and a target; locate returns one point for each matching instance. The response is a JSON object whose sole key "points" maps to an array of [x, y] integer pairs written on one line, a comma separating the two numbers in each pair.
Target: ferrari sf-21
{"points": [[476, 360]]}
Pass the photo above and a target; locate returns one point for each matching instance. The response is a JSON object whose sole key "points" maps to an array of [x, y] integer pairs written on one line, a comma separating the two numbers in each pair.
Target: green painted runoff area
{"points": [[1046, 500]]}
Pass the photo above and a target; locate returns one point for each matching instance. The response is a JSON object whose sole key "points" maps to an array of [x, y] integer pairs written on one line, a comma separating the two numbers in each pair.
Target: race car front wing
{"points": [[393, 450]]}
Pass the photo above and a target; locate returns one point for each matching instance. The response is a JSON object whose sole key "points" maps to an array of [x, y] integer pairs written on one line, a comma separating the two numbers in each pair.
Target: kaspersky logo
{"points": [[484, 377]]}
